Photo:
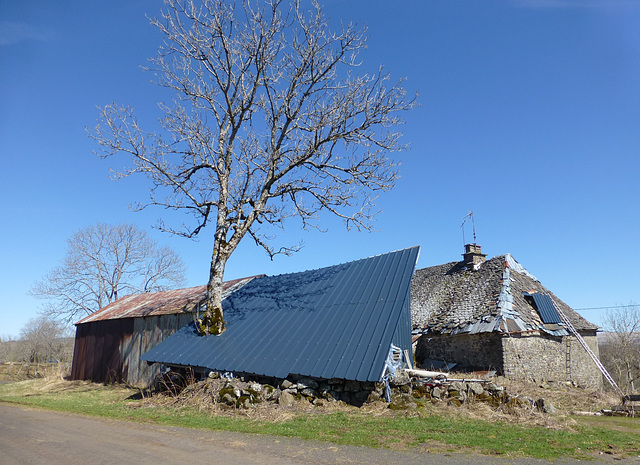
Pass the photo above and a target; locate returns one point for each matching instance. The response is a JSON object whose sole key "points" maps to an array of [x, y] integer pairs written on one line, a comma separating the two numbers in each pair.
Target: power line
{"points": [[605, 308]]}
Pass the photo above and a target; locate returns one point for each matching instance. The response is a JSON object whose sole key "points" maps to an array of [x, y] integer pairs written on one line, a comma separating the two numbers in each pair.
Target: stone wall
{"points": [[540, 357], [584, 371], [534, 357], [473, 351]]}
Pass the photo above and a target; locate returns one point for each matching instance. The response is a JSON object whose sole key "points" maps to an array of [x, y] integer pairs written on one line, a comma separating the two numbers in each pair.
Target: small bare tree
{"points": [[102, 263], [270, 121], [42, 340], [621, 347]]}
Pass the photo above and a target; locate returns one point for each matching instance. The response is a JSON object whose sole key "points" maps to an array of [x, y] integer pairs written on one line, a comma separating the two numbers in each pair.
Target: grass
{"points": [[423, 430], [20, 371]]}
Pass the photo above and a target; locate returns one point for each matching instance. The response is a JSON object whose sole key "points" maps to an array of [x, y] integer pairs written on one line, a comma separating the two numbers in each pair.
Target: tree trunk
{"points": [[213, 320]]}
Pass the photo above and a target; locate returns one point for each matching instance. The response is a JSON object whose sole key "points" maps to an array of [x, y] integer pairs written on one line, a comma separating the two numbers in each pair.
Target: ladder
{"points": [[568, 357], [593, 356]]}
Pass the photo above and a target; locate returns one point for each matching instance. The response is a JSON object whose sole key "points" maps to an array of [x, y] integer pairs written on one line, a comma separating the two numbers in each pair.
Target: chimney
{"points": [[473, 256]]}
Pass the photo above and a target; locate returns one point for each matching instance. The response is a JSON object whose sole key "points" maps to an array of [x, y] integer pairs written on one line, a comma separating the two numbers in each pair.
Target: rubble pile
{"points": [[401, 392]]}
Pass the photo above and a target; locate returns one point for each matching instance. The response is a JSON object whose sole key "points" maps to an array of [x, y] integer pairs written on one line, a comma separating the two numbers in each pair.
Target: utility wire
{"points": [[606, 308]]}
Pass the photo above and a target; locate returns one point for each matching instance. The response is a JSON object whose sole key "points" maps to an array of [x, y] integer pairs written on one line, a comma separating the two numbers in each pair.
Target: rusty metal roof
{"points": [[160, 303], [334, 322]]}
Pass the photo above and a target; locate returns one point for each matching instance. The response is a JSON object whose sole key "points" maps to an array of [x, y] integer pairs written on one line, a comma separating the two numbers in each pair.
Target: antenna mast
{"points": [[473, 224]]}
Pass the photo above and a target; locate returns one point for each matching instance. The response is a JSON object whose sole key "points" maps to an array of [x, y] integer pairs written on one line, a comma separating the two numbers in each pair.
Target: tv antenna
{"points": [[473, 225]]}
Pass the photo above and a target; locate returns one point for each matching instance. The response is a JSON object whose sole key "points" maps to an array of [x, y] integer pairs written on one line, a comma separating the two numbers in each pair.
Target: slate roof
{"points": [[160, 303], [334, 322], [450, 299]]}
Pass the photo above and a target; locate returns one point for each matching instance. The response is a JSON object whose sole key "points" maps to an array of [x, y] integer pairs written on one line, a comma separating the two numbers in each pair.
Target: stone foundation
{"points": [[294, 387]]}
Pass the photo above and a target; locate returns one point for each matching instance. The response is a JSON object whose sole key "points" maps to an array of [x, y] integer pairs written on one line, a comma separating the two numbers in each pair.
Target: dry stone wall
{"points": [[584, 371], [474, 351], [534, 357], [539, 357], [405, 393]]}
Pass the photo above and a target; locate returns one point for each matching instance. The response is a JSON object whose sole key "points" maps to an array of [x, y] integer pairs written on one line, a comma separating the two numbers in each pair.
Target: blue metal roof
{"points": [[335, 322], [547, 310]]}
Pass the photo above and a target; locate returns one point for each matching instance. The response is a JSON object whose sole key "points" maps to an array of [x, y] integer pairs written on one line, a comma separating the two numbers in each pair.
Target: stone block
{"points": [[304, 383], [286, 399], [351, 386], [308, 392], [475, 388], [285, 384], [437, 392], [545, 406]]}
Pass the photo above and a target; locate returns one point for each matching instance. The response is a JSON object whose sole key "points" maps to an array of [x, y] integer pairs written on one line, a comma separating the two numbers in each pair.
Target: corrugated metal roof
{"points": [[545, 307], [160, 303], [335, 322]]}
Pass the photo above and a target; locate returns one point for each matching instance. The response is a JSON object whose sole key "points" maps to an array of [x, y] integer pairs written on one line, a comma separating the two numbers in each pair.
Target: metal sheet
{"points": [[100, 351], [335, 322], [159, 303], [545, 307]]}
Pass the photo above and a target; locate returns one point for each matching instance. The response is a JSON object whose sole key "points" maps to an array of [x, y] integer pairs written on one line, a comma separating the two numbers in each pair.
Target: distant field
{"points": [[12, 371]]}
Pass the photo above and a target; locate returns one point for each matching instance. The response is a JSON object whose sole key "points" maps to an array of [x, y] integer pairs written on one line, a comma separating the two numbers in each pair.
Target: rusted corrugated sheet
{"points": [[159, 303]]}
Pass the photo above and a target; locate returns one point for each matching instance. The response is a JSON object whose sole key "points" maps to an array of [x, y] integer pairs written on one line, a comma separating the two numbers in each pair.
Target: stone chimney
{"points": [[473, 256]]}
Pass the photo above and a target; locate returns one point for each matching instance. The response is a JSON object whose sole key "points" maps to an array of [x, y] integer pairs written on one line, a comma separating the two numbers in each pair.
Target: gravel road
{"points": [[32, 436]]}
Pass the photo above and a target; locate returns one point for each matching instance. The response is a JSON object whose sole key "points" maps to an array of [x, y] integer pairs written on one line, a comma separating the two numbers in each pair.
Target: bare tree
{"points": [[102, 263], [270, 121], [42, 340], [5, 348], [621, 347]]}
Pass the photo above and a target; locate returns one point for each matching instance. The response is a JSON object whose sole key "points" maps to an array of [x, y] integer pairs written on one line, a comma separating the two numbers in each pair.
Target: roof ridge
{"points": [[517, 267], [349, 262]]}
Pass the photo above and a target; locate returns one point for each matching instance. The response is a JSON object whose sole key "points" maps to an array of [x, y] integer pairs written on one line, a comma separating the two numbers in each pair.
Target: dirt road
{"points": [[30, 436]]}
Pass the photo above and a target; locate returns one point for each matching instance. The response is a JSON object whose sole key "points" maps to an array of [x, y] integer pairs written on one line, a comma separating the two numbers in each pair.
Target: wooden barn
{"points": [[109, 342]]}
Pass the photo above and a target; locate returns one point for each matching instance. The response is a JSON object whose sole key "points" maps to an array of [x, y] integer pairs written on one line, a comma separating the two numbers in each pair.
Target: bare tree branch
{"points": [[272, 119], [621, 347], [103, 263]]}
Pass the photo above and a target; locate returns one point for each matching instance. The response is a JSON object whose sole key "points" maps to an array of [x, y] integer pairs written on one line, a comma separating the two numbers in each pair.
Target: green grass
{"points": [[590, 437]]}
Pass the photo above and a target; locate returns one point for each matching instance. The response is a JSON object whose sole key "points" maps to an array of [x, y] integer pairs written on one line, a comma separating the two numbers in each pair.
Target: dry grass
{"points": [[10, 371], [567, 399], [435, 427]]}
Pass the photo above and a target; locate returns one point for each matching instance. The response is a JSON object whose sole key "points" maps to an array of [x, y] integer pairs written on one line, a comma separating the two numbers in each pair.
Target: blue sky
{"points": [[529, 116]]}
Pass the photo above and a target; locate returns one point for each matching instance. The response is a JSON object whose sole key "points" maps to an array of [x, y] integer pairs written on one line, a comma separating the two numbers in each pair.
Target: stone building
{"points": [[494, 315]]}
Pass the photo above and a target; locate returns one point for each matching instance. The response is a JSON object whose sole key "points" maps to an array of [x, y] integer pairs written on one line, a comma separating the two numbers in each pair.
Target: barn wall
{"points": [[535, 357], [110, 350], [147, 333], [96, 353], [476, 351], [542, 357]]}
